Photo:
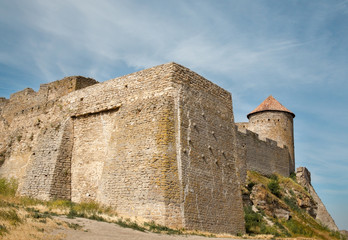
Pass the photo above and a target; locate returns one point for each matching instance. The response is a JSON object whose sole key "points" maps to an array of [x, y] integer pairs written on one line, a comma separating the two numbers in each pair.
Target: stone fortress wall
{"points": [[160, 144], [261, 155]]}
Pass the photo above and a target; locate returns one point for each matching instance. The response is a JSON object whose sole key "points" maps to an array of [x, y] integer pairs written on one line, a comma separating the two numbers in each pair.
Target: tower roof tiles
{"points": [[270, 104]]}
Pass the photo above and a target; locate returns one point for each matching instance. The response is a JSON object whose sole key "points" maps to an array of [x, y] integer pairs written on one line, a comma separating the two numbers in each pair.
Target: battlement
{"points": [[263, 155], [23, 95], [242, 129], [65, 86], [29, 101]]}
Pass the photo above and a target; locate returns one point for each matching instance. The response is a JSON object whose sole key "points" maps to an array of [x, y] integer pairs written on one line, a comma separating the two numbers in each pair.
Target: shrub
{"points": [[274, 177], [292, 203], [8, 187], [253, 220], [274, 187], [293, 176]]}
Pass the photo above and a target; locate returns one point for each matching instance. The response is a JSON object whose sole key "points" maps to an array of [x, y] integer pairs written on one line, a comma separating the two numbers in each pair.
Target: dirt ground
{"points": [[108, 231]]}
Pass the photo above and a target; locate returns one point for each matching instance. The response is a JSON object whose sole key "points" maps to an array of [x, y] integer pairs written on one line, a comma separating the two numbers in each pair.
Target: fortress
{"points": [[160, 144]]}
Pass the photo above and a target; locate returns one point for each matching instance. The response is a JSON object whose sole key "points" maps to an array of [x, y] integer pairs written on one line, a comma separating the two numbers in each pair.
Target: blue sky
{"points": [[296, 51]]}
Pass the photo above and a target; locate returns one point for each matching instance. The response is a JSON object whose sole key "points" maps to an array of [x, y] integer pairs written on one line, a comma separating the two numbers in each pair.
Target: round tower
{"points": [[274, 121]]}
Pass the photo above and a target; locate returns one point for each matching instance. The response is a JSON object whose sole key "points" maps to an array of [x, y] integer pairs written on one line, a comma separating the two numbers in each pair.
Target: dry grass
{"points": [[29, 219], [20, 224]]}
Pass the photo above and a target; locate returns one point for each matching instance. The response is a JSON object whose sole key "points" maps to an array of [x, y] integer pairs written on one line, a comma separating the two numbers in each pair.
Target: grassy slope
{"points": [[285, 193], [27, 218]]}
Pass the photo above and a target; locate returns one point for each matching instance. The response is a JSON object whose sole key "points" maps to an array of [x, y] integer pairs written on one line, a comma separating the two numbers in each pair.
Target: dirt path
{"points": [[108, 231]]}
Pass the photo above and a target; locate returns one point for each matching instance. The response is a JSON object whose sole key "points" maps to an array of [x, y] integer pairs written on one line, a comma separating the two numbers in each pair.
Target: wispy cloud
{"points": [[296, 52]]}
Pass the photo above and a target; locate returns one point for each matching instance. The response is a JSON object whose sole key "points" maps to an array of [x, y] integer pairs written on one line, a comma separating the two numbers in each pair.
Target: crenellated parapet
{"points": [[260, 154], [64, 86]]}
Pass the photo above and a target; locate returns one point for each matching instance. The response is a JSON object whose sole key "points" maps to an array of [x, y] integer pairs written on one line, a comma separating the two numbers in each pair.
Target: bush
{"points": [[293, 176], [274, 177], [253, 220], [274, 187], [8, 187], [292, 203]]}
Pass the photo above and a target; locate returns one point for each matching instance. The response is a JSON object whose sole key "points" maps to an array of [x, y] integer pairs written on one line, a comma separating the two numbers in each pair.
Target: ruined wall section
{"points": [[28, 122], [323, 216], [211, 198], [56, 89], [261, 155]]}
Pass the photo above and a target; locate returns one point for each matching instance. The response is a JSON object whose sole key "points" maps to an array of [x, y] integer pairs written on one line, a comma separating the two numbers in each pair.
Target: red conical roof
{"points": [[270, 104]]}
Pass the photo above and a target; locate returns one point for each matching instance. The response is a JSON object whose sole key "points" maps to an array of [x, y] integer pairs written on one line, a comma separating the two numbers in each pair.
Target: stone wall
{"points": [[263, 156], [275, 125], [152, 144], [35, 139], [210, 185]]}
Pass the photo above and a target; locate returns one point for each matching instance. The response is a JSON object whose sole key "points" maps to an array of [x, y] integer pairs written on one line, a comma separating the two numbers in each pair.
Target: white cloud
{"points": [[251, 48]]}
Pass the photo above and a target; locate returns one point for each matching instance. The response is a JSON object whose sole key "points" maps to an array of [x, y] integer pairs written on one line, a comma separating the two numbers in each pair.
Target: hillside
{"points": [[282, 207], [275, 207]]}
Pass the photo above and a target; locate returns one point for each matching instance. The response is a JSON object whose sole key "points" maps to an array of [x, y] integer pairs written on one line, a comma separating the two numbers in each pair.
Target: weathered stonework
{"points": [[277, 126], [160, 144], [263, 156], [322, 215]]}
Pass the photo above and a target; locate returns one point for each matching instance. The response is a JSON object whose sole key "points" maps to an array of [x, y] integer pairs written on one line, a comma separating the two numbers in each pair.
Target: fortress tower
{"points": [[274, 121]]}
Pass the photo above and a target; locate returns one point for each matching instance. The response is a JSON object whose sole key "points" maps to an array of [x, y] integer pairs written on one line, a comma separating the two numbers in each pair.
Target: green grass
{"points": [[287, 191], [157, 228], [292, 203], [298, 229], [129, 224], [254, 223], [8, 187]]}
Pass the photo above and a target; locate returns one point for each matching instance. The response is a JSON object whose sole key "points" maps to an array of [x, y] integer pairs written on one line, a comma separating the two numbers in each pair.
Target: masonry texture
{"points": [[160, 144], [322, 215]]}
